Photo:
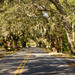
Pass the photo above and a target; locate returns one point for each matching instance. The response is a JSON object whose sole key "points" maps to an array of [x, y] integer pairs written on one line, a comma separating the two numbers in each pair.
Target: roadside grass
{"points": [[13, 50], [61, 55], [2, 55], [10, 52], [48, 50], [64, 55], [6, 52]]}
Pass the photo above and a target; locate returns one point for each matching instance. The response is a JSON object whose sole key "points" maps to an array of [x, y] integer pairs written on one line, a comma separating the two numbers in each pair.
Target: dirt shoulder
{"points": [[4, 52]]}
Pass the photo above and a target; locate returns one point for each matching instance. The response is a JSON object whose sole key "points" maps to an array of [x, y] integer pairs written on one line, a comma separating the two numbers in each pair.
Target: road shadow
{"points": [[47, 66]]}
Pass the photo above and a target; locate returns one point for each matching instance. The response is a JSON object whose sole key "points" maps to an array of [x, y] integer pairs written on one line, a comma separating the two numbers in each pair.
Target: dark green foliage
{"points": [[24, 20], [65, 44]]}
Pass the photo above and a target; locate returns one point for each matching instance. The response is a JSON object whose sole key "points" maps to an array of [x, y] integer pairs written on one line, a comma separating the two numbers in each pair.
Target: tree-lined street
{"points": [[28, 26]]}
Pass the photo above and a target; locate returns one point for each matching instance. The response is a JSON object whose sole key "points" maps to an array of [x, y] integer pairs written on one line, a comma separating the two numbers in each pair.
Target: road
{"points": [[34, 61]]}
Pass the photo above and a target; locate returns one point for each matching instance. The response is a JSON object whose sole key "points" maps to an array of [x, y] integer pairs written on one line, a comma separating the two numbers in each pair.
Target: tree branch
{"points": [[58, 6]]}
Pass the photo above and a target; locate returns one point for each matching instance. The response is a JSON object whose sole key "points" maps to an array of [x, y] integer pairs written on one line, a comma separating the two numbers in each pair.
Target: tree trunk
{"points": [[70, 42], [62, 12], [69, 36], [24, 44], [13, 44], [58, 43], [8, 45]]}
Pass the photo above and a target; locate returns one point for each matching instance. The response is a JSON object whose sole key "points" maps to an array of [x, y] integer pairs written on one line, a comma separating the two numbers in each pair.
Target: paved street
{"points": [[34, 61]]}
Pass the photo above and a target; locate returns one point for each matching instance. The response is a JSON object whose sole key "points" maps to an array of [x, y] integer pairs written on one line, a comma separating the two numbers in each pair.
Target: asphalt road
{"points": [[34, 61]]}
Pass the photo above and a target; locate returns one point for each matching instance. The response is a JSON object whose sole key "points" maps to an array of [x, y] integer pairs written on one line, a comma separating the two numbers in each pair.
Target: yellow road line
{"points": [[23, 63], [23, 66], [20, 66], [18, 69], [20, 73]]}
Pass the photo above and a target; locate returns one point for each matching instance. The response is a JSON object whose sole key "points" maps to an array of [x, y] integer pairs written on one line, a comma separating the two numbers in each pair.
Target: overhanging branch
{"points": [[58, 6]]}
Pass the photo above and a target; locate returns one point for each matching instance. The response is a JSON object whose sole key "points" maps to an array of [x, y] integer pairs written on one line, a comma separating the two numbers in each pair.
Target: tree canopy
{"points": [[50, 21]]}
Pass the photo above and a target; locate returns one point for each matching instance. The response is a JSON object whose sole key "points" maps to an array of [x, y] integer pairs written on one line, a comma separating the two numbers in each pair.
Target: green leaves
{"points": [[36, 19]]}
